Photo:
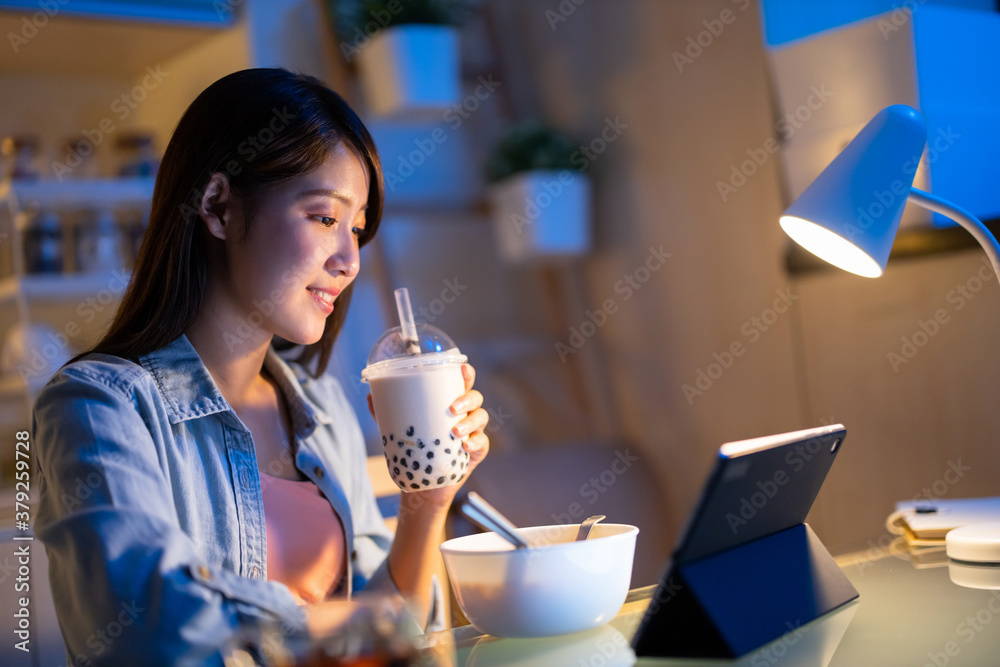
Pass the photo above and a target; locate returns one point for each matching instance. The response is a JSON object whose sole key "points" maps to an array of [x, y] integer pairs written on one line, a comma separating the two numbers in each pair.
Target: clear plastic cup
{"points": [[412, 392]]}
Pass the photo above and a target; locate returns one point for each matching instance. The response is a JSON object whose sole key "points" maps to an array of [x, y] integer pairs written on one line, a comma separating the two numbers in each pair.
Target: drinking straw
{"points": [[407, 327]]}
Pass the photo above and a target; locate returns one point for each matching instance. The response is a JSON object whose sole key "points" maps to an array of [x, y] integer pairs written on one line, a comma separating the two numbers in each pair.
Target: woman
{"points": [[192, 481]]}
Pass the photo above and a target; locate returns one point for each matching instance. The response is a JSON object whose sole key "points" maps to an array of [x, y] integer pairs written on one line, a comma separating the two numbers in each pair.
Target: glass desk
{"points": [[907, 614]]}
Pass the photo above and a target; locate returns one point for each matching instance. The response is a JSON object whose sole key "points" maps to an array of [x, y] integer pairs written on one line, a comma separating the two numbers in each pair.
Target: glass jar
{"points": [[136, 157], [44, 250], [77, 159], [376, 634], [21, 155], [96, 241]]}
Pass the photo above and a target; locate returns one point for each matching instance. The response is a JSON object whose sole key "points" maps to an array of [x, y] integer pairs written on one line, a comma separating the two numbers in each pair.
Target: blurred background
{"points": [[589, 209]]}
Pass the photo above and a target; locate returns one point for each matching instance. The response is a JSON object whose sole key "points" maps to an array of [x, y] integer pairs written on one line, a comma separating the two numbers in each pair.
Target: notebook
{"points": [[926, 522]]}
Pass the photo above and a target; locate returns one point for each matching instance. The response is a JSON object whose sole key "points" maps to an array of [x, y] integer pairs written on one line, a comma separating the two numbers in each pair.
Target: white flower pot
{"points": [[411, 71], [541, 214]]}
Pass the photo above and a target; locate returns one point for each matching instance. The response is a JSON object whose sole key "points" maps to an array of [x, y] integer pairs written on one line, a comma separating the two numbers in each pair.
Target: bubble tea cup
{"points": [[415, 374]]}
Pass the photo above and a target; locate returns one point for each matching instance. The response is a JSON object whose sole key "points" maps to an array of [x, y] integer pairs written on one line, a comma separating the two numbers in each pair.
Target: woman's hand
{"points": [[473, 425]]}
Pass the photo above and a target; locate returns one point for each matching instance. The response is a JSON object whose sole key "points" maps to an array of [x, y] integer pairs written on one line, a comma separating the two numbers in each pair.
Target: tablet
{"points": [[746, 562], [759, 487]]}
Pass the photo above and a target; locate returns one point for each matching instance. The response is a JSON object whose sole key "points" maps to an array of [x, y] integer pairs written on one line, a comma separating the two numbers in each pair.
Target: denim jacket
{"points": [[151, 510]]}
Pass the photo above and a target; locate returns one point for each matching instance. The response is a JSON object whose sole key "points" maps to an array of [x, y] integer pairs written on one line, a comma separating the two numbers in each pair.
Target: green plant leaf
{"points": [[529, 146], [352, 18]]}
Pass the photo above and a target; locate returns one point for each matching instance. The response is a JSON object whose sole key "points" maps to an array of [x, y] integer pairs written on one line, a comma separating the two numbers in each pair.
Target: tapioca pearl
{"points": [[414, 486], [447, 450], [453, 462], [452, 476], [395, 471], [416, 465], [391, 436], [430, 455], [426, 482], [428, 470], [420, 443], [400, 443], [409, 452], [403, 463], [437, 441], [409, 432], [409, 475], [395, 459], [441, 480], [385, 441]]}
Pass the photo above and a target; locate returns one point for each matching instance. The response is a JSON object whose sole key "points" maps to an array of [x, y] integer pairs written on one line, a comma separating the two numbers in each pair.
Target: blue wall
{"points": [[787, 20]]}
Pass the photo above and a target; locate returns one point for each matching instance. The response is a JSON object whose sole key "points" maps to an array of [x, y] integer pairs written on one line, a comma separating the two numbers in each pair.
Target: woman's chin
{"points": [[302, 337]]}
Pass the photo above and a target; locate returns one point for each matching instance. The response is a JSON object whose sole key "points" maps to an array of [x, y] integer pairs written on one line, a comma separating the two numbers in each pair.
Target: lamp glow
{"points": [[831, 247]]}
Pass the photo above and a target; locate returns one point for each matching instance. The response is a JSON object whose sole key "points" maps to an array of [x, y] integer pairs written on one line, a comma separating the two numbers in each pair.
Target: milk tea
{"points": [[415, 422]]}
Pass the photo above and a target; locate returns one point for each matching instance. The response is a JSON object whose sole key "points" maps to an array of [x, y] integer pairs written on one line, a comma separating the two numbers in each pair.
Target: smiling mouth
{"points": [[325, 296]]}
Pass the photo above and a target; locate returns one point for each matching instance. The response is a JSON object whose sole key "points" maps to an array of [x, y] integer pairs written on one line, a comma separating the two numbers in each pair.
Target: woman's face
{"points": [[301, 250]]}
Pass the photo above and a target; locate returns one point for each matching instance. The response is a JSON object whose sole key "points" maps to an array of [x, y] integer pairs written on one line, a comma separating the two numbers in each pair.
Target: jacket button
{"points": [[318, 472], [204, 572]]}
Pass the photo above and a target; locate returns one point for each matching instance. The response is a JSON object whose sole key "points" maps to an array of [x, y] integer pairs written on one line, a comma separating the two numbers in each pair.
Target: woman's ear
{"points": [[216, 206]]}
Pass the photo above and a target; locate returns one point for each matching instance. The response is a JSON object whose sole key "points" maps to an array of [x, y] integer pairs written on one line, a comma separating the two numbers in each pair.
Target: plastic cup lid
{"points": [[392, 354]]}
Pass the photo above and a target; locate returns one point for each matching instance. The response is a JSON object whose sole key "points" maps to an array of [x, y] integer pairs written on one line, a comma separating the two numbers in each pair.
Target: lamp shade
{"points": [[849, 215]]}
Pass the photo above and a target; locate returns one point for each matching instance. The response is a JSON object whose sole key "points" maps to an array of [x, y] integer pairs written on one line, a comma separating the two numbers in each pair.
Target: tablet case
{"points": [[741, 596]]}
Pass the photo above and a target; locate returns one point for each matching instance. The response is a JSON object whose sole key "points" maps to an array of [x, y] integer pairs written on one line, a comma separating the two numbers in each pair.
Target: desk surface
{"points": [[906, 615]]}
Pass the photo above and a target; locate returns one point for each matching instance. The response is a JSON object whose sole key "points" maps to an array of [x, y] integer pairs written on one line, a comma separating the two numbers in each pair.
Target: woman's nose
{"points": [[345, 258]]}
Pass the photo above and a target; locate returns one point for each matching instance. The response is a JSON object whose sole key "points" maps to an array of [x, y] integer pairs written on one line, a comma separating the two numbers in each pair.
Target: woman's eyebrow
{"points": [[326, 192]]}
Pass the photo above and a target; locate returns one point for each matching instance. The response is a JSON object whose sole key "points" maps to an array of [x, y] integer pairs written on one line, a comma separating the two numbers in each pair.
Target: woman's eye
{"points": [[359, 231], [324, 220]]}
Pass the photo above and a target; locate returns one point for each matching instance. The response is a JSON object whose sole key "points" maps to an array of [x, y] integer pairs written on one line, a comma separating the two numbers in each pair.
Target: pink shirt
{"points": [[306, 549]]}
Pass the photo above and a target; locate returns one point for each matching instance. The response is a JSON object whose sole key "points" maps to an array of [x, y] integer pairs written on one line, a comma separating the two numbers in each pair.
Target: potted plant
{"points": [[540, 198], [406, 52]]}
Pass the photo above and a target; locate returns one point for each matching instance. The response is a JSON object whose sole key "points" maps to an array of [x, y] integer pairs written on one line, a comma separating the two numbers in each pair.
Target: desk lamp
{"points": [[849, 216]]}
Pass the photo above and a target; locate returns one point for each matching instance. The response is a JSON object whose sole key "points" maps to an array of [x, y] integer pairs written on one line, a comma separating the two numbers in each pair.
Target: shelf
{"points": [[82, 46], [100, 192], [183, 12], [74, 286]]}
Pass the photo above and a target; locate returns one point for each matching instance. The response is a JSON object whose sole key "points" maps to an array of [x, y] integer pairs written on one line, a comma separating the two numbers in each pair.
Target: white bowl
{"points": [[558, 587]]}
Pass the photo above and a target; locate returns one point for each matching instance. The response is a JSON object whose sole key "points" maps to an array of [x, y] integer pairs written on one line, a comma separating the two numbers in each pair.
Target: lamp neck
{"points": [[964, 218]]}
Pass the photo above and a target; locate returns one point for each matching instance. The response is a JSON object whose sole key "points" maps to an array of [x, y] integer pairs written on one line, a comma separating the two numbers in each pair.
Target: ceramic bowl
{"points": [[555, 587]]}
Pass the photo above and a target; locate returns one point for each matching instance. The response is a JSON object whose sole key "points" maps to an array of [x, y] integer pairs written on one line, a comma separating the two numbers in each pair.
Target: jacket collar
{"points": [[189, 390]]}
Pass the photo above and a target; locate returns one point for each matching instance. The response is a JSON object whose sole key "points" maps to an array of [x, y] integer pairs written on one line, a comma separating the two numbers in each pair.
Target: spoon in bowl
{"points": [[587, 524]]}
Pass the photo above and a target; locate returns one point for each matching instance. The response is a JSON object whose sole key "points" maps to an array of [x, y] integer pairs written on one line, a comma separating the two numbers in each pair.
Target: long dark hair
{"points": [[256, 126]]}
